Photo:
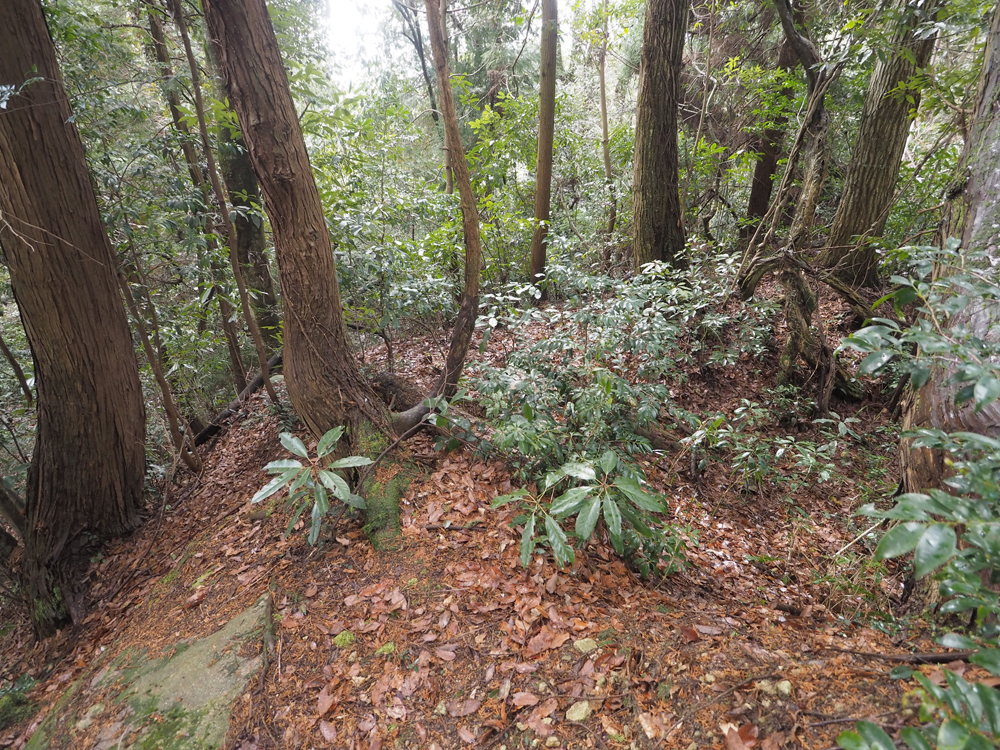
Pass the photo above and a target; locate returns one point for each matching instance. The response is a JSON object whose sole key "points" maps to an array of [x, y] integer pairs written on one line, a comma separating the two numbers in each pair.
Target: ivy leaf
{"points": [[557, 539], [274, 485], [899, 540], [934, 549], [528, 541], [293, 444]]}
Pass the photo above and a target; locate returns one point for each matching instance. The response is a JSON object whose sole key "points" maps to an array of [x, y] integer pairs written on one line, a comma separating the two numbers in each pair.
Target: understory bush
{"points": [[954, 535]]}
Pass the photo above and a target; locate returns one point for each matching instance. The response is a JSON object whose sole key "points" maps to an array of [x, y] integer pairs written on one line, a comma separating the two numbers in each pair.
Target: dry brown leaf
{"points": [[324, 701], [463, 708], [690, 634], [311, 591], [466, 735], [708, 630], [329, 732], [734, 741], [445, 654], [534, 720], [525, 699], [545, 641]]}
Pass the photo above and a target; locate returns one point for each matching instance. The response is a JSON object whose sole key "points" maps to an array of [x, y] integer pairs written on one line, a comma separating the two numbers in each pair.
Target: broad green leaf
{"points": [[952, 736], [557, 540], [850, 740], [295, 518], [875, 736], [293, 444], [527, 411], [322, 499], [875, 361], [956, 640], [634, 492], [934, 549], [986, 391], [580, 471], [528, 541], [902, 672], [990, 699], [586, 519], [570, 501], [356, 501], [335, 483], [317, 524], [300, 481], [329, 441], [346, 463], [613, 518], [914, 739], [500, 500], [274, 485], [283, 465], [988, 659], [899, 540], [609, 461]]}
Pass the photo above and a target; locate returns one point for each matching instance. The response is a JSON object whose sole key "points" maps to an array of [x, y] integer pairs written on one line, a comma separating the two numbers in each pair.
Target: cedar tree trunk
{"points": [[546, 132], [324, 383], [878, 150], [972, 215], [86, 477], [609, 178], [658, 232]]}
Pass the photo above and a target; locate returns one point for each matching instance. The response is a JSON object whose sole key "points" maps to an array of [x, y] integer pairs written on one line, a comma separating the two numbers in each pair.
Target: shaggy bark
{"points": [[878, 152], [546, 133], [658, 222], [971, 215], [324, 383], [86, 477]]}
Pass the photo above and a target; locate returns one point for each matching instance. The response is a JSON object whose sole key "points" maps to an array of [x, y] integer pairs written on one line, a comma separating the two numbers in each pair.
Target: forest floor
{"points": [[769, 636]]}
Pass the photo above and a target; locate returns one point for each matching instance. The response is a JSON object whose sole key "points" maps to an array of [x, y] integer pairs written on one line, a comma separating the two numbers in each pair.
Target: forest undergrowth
{"points": [[762, 623]]}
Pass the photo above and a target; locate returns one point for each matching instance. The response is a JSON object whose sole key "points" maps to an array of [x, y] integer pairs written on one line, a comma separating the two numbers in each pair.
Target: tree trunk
{"points": [[546, 133], [878, 151], [769, 147], [244, 194], [86, 477], [658, 222], [412, 32], [229, 329], [815, 149], [609, 177], [324, 383], [213, 176], [973, 215]]}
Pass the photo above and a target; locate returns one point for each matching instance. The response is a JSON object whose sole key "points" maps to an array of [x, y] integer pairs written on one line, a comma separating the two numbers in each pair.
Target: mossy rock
{"points": [[15, 707]]}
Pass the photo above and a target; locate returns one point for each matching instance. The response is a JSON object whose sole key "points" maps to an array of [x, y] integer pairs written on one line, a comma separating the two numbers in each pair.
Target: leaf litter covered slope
{"points": [[448, 642]]}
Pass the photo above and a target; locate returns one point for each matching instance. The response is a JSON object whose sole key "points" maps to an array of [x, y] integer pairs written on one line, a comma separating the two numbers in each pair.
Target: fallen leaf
{"points": [[534, 720], [649, 726], [708, 630], [544, 641], [324, 701], [525, 699], [463, 708], [311, 591], [329, 732], [466, 735], [733, 741], [445, 654], [690, 634]]}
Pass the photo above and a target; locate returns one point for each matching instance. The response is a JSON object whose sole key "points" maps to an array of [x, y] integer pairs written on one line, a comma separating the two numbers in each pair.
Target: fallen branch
{"points": [[929, 658]]}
